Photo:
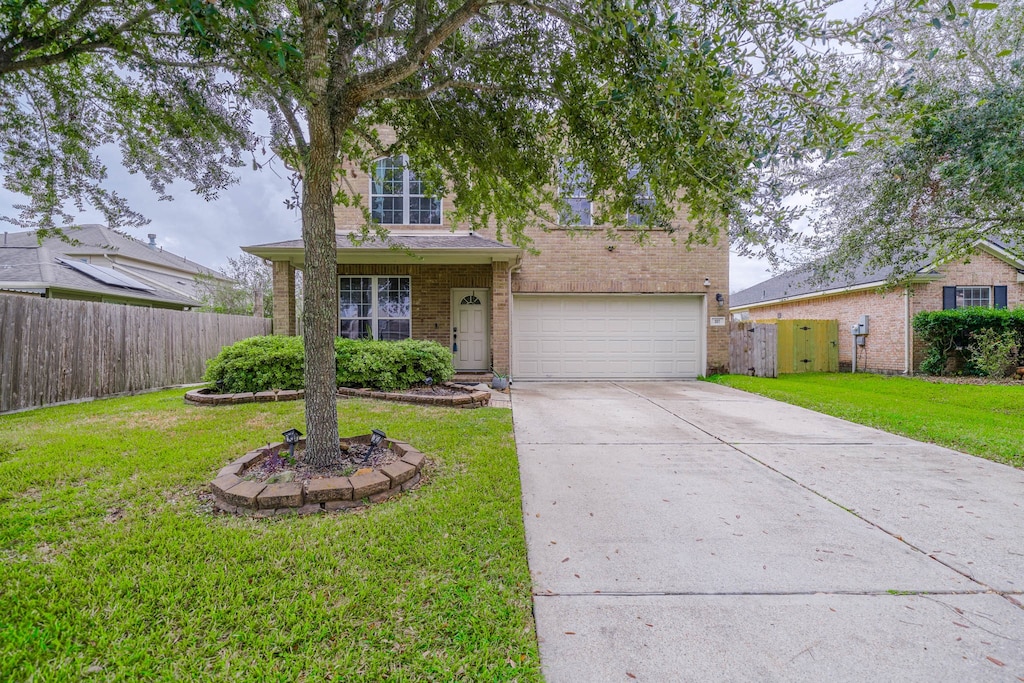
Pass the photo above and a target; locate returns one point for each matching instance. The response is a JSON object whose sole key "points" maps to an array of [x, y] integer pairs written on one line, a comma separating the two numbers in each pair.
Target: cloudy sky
{"points": [[253, 211]]}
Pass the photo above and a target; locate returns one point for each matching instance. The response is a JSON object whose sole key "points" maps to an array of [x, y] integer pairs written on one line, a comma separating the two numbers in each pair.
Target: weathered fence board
{"points": [[753, 349], [56, 350]]}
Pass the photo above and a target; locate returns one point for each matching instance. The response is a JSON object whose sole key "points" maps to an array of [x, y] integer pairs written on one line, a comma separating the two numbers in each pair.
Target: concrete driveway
{"points": [[684, 531]]}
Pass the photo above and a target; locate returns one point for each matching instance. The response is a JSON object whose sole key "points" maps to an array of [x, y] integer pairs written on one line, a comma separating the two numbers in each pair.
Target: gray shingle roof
{"points": [[800, 281], [23, 261]]}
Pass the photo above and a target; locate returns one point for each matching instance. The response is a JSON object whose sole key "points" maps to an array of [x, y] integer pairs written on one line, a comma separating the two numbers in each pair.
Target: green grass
{"points": [[112, 568], [983, 420]]}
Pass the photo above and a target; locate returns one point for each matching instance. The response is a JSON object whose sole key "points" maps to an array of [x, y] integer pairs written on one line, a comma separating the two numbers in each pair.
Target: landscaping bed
{"points": [[264, 483], [447, 394]]}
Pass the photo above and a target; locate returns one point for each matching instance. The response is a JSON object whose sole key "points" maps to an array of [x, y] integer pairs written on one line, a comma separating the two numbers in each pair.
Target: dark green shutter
{"points": [[948, 298], [1000, 296]]}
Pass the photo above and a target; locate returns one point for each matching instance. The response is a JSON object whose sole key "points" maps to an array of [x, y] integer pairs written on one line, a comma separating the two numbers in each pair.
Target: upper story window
{"points": [[643, 203], [397, 196], [572, 188]]}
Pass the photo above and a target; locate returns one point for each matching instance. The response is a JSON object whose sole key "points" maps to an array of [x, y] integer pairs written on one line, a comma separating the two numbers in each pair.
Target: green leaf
{"points": [[984, 5]]}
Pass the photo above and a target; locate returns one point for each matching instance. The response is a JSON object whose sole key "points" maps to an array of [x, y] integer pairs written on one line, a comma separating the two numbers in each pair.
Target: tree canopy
{"points": [[938, 162], [76, 76]]}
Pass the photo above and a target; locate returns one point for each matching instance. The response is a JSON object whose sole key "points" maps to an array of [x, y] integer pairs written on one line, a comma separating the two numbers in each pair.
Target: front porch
{"points": [[454, 289]]}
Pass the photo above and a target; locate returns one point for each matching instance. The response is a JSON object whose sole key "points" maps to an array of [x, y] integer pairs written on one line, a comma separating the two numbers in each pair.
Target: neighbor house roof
{"points": [[100, 262], [800, 282], [398, 248]]}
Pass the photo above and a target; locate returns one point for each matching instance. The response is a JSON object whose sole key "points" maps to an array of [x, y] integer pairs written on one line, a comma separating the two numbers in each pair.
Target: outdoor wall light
{"points": [[291, 437], [375, 440], [720, 299], [707, 282]]}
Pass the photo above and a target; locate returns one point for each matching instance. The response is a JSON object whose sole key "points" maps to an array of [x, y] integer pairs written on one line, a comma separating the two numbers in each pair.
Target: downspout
{"points": [[907, 333]]}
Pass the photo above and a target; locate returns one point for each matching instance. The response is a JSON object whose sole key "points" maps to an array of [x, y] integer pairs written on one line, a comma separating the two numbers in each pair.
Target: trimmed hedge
{"points": [[276, 362], [258, 364], [949, 336], [389, 365]]}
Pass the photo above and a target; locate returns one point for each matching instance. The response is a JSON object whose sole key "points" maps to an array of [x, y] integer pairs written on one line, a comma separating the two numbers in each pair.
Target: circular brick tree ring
{"points": [[233, 493]]}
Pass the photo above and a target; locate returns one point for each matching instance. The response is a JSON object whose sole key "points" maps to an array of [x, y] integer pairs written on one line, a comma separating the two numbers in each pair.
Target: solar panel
{"points": [[107, 276]]}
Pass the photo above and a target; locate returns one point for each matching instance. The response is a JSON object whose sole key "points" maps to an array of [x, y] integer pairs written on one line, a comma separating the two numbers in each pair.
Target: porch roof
{"points": [[397, 248]]}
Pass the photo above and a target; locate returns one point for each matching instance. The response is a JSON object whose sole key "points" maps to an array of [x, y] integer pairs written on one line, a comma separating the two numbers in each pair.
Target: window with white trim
{"points": [[375, 307], [973, 296], [397, 195]]}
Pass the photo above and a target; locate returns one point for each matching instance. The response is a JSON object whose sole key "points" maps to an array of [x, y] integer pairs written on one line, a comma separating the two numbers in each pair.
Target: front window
{"points": [[397, 195], [643, 204], [375, 308], [973, 296]]}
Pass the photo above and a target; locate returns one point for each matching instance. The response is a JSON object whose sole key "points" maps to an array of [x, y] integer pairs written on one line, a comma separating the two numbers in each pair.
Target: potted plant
{"points": [[499, 382]]}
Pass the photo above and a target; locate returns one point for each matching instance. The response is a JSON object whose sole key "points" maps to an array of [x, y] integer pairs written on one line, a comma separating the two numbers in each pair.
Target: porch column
{"points": [[284, 298], [501, 328]]}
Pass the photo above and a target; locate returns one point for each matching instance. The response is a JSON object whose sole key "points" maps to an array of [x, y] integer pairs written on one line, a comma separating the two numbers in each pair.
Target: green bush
{"points": [[276, 362], [391, 366], [258, 364], [949, 337], [994, 353]]}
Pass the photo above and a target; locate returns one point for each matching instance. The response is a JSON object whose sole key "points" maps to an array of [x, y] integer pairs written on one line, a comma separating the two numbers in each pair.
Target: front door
{"points": [[470, 327]]}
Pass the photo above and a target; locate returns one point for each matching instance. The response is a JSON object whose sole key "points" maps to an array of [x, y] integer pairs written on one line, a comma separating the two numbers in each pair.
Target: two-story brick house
{"points": [[992, 277], [583, 307]]}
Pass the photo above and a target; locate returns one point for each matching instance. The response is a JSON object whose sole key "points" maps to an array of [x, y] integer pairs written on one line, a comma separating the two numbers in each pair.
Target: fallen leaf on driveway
{"points": [[570, 633], [630, 675], [565, 560], [957, 623], [995, 661]]}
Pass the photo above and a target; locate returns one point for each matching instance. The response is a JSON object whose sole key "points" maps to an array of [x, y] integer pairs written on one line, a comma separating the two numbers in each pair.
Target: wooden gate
{"points": [[753, 349], [773, 347], [808, 346]]}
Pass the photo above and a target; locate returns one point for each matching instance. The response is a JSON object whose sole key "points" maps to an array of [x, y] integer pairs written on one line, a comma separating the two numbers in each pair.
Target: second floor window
{"points": [[573, 191], [397, 196]]}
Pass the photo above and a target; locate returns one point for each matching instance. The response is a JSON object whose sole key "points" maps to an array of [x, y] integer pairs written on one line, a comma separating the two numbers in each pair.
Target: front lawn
{"points": [[984, 420], [112, 568]]}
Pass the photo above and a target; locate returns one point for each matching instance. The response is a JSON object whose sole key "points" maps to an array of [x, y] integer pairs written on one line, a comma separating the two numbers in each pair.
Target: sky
{"points": [[253, 211]]}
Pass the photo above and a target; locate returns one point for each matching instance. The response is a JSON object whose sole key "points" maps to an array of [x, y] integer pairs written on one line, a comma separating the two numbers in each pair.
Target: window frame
{"points": [[571, 189], [408, 177], [375, 313], [961, 296]]}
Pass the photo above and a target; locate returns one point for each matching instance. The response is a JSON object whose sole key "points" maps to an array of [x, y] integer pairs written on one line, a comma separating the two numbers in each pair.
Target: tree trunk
{"points": [[320, 314]]}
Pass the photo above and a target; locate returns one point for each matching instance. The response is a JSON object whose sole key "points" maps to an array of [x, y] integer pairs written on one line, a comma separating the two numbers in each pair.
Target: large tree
{"points": [[939, 161], [491, 99]]}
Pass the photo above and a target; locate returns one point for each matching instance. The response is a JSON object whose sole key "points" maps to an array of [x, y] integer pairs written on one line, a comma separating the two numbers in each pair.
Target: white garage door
{"points": [[582, 336]]}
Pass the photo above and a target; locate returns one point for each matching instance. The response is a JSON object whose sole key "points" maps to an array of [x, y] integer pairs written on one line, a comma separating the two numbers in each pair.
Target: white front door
{"points": [[470, 328]]}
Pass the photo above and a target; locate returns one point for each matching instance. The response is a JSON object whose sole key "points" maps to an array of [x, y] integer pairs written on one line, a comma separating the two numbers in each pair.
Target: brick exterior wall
{"points": [[569, 263], [884, 350], [284, 298]]}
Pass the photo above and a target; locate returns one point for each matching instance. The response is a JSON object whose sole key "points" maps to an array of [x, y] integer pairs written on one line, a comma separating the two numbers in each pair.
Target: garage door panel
{"points": [[607, 336]]}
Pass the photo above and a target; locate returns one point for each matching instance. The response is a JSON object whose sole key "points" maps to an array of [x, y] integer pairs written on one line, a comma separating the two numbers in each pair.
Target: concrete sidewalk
{"points": [[686, 531]]}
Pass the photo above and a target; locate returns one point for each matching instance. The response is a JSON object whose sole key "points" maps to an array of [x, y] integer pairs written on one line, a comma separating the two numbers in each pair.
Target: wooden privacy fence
{"points": [[55, 350], [771, 348]]}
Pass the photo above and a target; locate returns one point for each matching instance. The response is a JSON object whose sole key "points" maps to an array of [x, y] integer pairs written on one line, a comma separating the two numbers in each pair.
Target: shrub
{"points": [[275, 362], [258, 364], [994, 353], [948, 336], [391, 366]]}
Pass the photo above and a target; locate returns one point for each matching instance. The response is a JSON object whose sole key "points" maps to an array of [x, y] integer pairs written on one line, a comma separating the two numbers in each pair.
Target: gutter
{"points": [[908, 337], [825, 292]]}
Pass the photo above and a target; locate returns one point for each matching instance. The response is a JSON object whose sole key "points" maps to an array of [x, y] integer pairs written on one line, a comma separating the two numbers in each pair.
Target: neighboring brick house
{"points": [[100, 264], [993, 276], [581, 308]]}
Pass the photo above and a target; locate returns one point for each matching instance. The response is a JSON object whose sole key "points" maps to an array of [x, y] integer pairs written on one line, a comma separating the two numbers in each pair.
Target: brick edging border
{"points": [[468, 399], [233, 494]]}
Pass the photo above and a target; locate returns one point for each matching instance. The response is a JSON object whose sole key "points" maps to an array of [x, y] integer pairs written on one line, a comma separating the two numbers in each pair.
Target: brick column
{"points": [[501, 323], [284, 298]]}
